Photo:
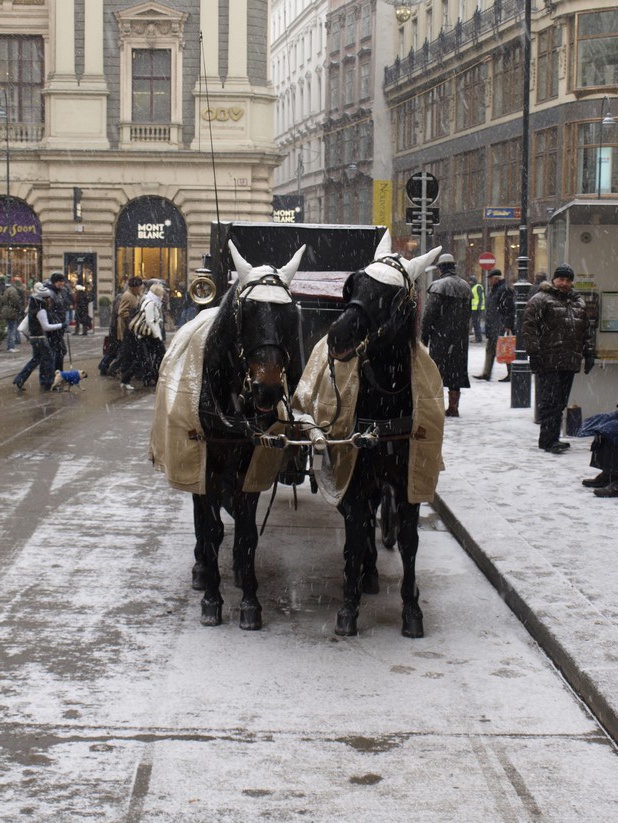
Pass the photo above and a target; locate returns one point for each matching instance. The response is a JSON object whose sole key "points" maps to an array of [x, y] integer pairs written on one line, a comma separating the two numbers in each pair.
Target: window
{"points": [[335, 35], [470, 98], [350, 29], [588, 157], [349, 155], [365, 147], [436, 112], [597, 48], [334, 90], [350, 83], [365, 80], [505, 173], [366, 21], [469, 181], [407, 124], [507, 81], [545, 162], [151, 86], [549, 42], [21, 79]]}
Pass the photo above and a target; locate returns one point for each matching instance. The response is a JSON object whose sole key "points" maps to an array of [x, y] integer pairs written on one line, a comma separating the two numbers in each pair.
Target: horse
{"points": [[370, 376], [246, 355]]}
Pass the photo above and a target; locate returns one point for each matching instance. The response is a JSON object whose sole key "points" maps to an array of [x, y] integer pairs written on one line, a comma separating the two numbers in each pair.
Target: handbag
{"points": [[24, 327], [505, 348], [139, 325]]}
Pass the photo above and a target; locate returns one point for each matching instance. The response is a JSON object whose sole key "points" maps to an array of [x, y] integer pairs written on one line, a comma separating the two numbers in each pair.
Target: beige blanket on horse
{"points": [[177, 447], [316, 397]]}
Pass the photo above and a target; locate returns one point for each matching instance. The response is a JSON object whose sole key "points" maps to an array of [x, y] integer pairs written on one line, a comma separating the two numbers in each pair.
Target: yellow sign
{"points": [[383, 203]]}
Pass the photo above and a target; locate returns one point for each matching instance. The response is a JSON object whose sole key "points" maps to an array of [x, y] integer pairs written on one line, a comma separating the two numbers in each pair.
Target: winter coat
{"points": [[13, 302], [605, 424], [315, 396], [57, 306], [556, 329], [126, 309], [181, 457], [500, 314], [445, 328]]}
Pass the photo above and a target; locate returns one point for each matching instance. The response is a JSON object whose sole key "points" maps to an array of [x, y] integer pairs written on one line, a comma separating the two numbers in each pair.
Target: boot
{"points": [[453, 403], [608, 491], [598, 482]]}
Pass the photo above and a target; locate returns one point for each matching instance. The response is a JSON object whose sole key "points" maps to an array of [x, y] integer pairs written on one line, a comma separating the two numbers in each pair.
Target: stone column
{"points": [[64, 38], [93, 38], [237, 57], [209, 27]]}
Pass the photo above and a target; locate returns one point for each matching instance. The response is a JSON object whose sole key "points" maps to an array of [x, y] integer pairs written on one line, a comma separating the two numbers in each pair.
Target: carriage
{"points": [[365, 370]]}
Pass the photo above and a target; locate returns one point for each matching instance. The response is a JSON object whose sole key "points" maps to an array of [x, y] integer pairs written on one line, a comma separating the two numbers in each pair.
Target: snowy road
{"points": [[117, 705]]}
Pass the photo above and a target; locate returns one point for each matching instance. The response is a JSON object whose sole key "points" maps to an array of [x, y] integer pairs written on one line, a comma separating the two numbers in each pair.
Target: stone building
{"points": [[127, 128]]}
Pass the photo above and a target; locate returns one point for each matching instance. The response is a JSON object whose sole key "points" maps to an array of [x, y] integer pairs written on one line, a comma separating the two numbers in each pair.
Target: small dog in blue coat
{"points": [[68, 379]]}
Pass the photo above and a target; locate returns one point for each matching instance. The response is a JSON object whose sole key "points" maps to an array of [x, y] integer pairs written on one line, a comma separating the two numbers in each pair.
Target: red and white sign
{"points": [[487, 260]]}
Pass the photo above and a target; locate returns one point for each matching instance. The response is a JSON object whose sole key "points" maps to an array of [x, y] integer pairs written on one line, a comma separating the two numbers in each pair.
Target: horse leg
{"points": [[369, 573], [412, 616], [245, 545], [198, 572], [359, 520], [212, 532]]}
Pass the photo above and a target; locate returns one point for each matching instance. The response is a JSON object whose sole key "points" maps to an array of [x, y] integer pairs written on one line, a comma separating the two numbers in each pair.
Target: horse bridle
{"points": [[239, 419]]}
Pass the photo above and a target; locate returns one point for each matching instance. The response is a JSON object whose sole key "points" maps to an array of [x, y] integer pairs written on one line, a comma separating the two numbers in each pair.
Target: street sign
{"points": [[417, 229], [414, 187], [415, 215], [487, 260], [502, 213]]}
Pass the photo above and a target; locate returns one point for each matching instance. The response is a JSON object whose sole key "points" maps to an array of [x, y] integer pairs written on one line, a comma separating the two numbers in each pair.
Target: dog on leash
{"points": [[68, 379]]}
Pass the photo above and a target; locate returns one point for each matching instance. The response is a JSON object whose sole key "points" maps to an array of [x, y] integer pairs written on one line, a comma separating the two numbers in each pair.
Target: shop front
{"points": [[151, 243], [20, 241]]}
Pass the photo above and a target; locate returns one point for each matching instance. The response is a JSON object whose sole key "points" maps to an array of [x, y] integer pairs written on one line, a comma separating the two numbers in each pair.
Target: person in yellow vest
{"points": [[477, 307]]}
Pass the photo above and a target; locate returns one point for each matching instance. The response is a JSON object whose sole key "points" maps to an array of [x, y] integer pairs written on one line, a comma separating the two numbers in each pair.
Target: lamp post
{"points": [[7, 203], [608, 120], [520, 369]]}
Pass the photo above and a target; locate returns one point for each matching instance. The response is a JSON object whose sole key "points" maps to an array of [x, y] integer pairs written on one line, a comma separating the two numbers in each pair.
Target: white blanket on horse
{"points": [[315, 396], [181, 457]]}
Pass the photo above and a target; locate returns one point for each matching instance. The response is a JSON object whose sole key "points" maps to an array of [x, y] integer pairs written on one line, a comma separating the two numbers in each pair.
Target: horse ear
{"points": [[417, 265], [242, 267], [288, 271], [384, 246]]}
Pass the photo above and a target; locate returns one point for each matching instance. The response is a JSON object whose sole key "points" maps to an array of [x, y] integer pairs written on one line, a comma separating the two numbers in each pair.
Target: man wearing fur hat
{"points": [[446, 325], [557, 337]]}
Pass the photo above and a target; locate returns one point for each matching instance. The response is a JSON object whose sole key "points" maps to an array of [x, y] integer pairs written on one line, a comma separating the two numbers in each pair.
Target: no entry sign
{"points": [[487, 260]]}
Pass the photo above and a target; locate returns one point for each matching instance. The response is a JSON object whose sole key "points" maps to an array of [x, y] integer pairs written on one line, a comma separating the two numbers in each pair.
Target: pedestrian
{"points": [[12, 308], [477, 307], [539, 277], [143, 347], [57, 311], [39, 329], [499, 320], [604, 453], [445, 329], [82, 317], [556, 336], [111, 343]]}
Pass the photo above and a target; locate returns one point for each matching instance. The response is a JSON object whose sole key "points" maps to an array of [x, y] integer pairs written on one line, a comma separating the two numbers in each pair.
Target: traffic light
{"points": [[77, 204]]}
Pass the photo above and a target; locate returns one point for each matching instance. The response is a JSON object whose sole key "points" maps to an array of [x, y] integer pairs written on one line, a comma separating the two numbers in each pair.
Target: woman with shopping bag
{"points": [[499, 322]]}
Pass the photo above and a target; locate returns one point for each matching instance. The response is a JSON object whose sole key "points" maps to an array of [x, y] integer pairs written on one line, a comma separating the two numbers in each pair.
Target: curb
{"points": [[576, 637]]}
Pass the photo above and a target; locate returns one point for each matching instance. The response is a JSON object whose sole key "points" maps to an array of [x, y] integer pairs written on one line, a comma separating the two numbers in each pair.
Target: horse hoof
{"points": [[198, 577], [371, 582], [250, 618], [346, 623], [412, 622], [212, 612]]}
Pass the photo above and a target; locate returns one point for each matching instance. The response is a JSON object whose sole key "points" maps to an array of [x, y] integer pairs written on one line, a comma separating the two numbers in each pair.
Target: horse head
{"points": [[258, 320], [379, 303]]}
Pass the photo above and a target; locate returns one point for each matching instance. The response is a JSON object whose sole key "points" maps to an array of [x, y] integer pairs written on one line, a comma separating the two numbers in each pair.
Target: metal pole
{"points": [[600, 149], [520, 369], [7, 202]]}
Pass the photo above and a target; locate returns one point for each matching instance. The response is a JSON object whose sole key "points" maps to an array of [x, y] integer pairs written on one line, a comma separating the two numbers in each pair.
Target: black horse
{"points": [[251, 352], [376, 337]]}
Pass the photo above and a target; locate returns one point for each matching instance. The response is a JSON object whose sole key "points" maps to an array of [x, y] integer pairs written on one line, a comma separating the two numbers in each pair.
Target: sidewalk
{"points": [[545, 541]]}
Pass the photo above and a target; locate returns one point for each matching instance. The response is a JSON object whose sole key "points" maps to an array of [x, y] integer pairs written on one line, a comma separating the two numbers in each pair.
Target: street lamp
{"points": [[5, 114], [403, 9], [520, 369], [608, 120]]}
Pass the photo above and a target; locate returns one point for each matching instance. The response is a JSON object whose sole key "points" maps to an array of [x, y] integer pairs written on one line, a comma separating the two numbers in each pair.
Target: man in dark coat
{"points": [[446, 325], [556, 336], [57, 312], [499, 319]]}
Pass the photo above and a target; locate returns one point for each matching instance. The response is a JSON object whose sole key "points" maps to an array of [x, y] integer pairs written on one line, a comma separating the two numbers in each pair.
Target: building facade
{"points": [[128, 128], [456, 98]]}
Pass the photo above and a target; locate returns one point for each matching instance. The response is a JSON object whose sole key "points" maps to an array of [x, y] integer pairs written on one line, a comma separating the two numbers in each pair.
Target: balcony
{"points": [[23, 133], [159, 135]]}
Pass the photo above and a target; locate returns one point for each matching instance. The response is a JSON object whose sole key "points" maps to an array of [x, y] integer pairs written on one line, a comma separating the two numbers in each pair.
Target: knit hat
{"points": [[564, 270], [494, 273], [40, 292]]}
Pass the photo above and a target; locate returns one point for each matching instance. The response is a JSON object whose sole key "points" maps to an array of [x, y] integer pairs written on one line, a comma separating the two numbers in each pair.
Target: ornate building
{"points": [[128, 128]]}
